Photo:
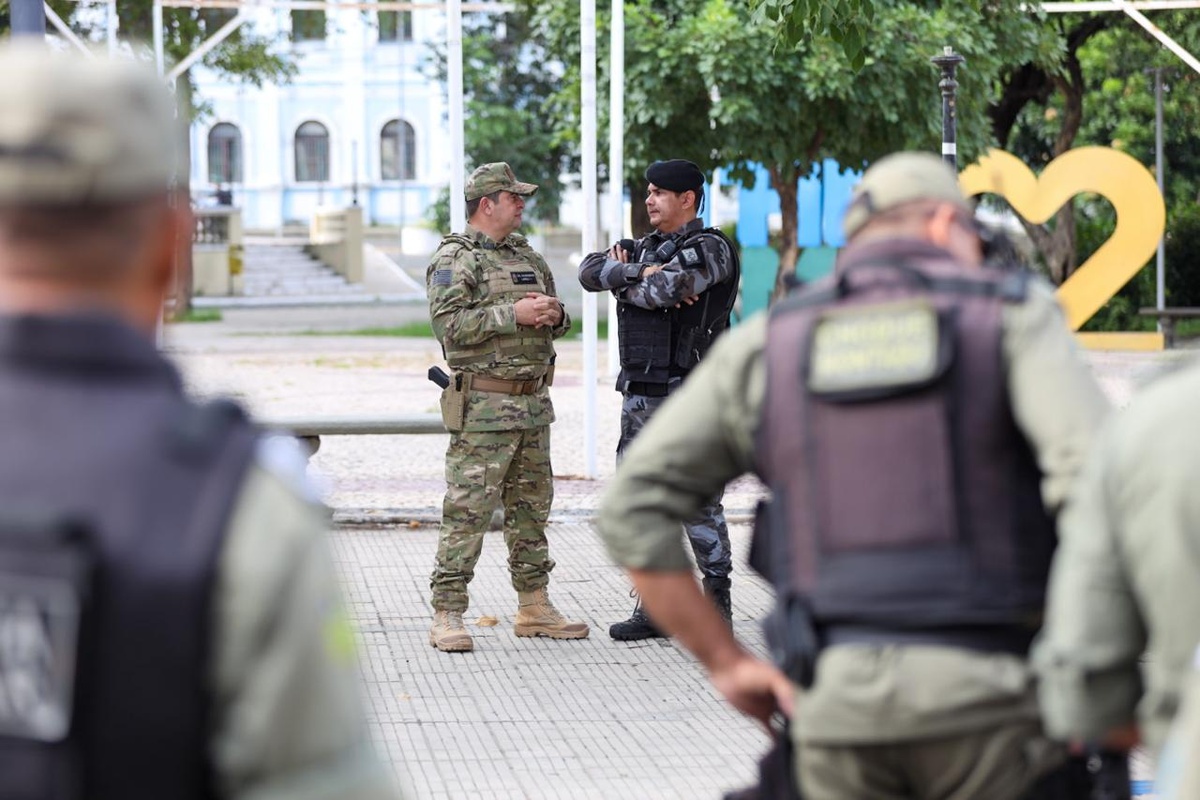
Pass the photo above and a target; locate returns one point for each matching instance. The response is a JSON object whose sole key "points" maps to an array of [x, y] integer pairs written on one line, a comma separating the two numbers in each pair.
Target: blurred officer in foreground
{"points": [[169, 621], [1121, 623], [1177, 776], [919, 421], [496, 314], [674, 289]]}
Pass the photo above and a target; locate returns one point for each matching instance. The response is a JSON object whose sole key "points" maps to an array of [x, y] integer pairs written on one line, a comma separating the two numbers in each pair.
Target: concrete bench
{"points": [[309, 430], [1167, 317]]}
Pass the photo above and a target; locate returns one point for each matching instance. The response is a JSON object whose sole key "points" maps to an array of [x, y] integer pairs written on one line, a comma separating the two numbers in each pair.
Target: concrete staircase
{"points": [[285, 270]]}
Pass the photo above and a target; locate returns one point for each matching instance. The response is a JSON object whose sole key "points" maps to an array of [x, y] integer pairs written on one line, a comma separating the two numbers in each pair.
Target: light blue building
{"points": [[358, 122]]}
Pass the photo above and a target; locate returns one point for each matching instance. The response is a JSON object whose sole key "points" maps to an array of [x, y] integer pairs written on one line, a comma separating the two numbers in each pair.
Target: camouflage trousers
{"points": [[483, 471], [708, 533]]}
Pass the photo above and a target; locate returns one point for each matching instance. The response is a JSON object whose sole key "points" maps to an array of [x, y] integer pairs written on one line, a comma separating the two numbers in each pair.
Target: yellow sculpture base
{"points": [[1143, 342]]}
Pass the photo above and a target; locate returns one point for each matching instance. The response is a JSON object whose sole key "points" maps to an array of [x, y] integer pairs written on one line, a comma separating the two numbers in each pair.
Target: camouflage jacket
{"points": [[473, 284], [668, 287]]}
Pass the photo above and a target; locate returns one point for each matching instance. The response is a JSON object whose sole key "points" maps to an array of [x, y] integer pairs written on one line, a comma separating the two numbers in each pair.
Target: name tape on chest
{"points": [[879, 347], [39, 634], [523, 277]]}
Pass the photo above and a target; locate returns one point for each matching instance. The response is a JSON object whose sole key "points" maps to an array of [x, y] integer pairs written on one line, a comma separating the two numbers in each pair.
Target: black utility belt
{"points": [[999, 639], [647, 389]]}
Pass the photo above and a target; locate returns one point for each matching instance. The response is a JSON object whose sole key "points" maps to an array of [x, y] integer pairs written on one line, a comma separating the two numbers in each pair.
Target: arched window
{"points": [[312, 152], [398, 151], [224, 154]]}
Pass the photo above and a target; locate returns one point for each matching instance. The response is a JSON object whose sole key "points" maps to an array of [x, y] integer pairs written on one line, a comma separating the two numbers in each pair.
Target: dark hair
{"points": [[473, 205]]}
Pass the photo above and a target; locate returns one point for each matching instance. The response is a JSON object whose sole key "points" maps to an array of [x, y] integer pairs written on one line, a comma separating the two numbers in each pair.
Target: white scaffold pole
{"points": [[110, 26], [159, 54], [616, 160], [587, 64], [454, 59]]}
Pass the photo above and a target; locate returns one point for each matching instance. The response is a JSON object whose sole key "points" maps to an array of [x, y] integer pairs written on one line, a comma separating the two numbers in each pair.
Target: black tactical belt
{"points": [[647, 389]]}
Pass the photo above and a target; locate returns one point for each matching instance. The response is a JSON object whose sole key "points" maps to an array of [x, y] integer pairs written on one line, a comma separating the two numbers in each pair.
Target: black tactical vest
{"points": [[660, 344], [115, 493], [907, 500]]}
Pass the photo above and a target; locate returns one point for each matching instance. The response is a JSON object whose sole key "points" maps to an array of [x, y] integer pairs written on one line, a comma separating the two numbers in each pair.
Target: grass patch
{"points": [[412, 330], [576, 331], [199, 315], [423, 330]]}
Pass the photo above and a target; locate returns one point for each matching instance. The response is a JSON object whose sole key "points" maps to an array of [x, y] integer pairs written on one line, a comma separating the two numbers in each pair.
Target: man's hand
{"points": [[754, 687], [618, 253], [687, 300], [538, 310], [650, 269]]}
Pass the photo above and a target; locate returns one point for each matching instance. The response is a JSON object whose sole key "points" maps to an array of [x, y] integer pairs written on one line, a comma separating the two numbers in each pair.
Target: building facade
{"points": [[360, 122]]}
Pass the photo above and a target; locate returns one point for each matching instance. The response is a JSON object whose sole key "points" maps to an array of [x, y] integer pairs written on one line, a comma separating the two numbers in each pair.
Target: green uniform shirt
{"points": [[288, 723], [465, 279], [1126, 577], [704, 436]]}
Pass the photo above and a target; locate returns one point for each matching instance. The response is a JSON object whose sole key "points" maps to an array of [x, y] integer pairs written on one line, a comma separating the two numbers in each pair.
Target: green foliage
{"points": [[1181, 252], [510, 82]]}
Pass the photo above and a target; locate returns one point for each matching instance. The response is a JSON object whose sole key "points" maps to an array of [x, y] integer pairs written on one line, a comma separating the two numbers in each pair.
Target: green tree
{"points": [[510, 80], [790, 106]]}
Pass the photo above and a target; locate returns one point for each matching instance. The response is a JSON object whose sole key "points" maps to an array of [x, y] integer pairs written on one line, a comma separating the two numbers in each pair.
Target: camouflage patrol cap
{"points": [[899, 179], [496, 177], [76, 129]]}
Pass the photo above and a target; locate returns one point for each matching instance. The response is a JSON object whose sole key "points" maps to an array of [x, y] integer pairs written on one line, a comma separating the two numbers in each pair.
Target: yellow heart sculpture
{"points": [[1120, 178]]}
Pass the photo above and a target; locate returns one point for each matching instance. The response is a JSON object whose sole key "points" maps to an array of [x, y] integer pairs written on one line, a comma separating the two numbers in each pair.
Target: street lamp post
{"points": [[948, 62]]}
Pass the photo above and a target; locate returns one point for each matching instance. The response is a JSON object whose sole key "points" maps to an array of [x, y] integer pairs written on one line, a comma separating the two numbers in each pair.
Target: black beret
{"points": [[676, 175]]}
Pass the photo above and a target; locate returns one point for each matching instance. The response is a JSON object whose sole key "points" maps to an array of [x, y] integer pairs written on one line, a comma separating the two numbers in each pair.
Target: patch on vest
{"points": [[873, 350], [691, 257], [39, 635], [441, 277], [524, 278]]}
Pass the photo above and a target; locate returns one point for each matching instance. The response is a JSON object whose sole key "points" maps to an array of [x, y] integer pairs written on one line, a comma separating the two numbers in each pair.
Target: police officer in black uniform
{"points": [[675, 289], [170, 626]]}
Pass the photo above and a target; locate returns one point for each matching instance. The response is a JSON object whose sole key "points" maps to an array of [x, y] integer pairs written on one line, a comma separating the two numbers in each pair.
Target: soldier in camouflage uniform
{"points": [[495, 311], [675, 289]]}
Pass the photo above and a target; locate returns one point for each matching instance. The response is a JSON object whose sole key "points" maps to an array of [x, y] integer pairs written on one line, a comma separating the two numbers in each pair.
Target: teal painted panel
{"points": [[816, 262], [759, 265]]}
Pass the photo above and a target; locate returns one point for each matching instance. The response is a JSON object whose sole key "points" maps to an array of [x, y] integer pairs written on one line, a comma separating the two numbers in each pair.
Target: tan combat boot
{"points": [[537, 616], [448, 633]]}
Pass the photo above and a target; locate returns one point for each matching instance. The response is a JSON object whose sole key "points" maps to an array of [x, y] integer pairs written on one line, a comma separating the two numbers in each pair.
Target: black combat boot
{"points": [[638, 626], [717, 590]]}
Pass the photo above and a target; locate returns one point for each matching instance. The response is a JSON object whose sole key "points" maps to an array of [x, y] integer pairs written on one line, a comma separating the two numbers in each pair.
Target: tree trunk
{"points": [[783, 180], [639, 217]]}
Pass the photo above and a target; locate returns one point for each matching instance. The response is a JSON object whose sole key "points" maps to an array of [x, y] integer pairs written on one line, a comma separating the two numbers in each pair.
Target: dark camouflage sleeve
{"points": [[675, 281], [599, 273], [564, 324], [452, 286]]}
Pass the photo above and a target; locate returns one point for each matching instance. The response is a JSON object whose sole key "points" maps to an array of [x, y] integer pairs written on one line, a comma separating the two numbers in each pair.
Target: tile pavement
{"points": [[516, 718], [535, 718]]}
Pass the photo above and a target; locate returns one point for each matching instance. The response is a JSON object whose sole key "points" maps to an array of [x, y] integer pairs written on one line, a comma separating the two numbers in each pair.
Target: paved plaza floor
{"points": [[517, 718]]}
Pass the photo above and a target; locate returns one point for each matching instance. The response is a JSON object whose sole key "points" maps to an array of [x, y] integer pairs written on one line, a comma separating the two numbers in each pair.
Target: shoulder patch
{"points": [[441, 277], [691, 256]]}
